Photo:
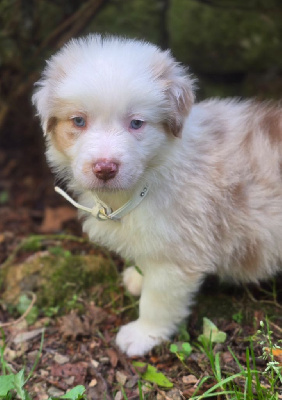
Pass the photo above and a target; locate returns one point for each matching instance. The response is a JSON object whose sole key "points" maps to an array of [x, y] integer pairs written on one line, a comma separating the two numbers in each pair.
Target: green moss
{"points": [[59, 278], [32, 244]]}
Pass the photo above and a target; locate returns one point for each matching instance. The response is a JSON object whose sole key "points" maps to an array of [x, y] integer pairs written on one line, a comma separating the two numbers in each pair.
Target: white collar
{"points": [[101, 211]]}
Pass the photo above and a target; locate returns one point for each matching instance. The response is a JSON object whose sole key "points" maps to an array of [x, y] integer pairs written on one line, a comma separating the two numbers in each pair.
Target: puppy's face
{"points": [[108, 109]]}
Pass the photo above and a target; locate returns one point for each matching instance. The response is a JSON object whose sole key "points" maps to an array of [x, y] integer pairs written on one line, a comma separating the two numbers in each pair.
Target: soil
{"points": [[80, 325]]}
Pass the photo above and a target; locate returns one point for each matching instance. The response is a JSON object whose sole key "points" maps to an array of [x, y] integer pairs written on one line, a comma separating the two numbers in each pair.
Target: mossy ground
{"points": [[78, 287], [59, 276]]}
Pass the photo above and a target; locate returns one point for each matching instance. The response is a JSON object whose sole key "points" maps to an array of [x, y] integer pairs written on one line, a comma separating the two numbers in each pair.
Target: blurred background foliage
{"points": [[234, 47]]}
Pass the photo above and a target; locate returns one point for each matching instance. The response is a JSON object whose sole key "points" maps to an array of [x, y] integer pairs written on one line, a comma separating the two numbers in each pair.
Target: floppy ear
{"points": [[45, 88], [41, 100], [179, 90]]}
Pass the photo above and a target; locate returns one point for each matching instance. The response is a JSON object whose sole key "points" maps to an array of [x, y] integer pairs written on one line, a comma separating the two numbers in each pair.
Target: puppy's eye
{"points": [[136, 123], [79, 122]]}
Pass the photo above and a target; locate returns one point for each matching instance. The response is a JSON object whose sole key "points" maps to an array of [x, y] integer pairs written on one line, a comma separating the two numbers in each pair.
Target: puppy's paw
{"points": [[137, 339], [132, 280]]}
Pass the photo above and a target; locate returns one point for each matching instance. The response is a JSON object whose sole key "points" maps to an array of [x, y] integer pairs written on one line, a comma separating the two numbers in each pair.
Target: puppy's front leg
{"points": [[167, 293]]}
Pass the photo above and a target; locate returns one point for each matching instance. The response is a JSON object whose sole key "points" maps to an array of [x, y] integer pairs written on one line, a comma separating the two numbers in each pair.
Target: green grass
{"points": [[254, 384]]}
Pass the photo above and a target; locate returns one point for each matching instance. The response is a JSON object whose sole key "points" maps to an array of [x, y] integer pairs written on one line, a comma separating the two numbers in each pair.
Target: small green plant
{"points": [[74, 303], [238, 317], [14, 383], [181, 350], [253, 388], [249, 383], [4, 197], [273, 371], [150, 374]]}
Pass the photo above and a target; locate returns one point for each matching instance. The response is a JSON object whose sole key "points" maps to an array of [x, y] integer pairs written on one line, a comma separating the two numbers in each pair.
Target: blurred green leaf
{"points": [[151, 374]]}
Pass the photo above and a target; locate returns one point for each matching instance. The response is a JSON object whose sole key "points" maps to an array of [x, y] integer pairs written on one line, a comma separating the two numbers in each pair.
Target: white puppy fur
{"points": [[214, 172]]}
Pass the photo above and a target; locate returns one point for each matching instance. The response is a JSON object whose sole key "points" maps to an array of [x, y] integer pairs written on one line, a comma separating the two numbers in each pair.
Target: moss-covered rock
{"points": [[56, 277]]}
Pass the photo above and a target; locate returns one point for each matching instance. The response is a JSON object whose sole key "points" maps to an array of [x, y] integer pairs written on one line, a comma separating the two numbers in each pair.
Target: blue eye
{"points": [[79, 122], [136, 124]]}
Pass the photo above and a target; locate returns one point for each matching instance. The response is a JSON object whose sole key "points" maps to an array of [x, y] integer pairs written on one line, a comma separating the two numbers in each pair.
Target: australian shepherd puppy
{"points": [[180, 189]]}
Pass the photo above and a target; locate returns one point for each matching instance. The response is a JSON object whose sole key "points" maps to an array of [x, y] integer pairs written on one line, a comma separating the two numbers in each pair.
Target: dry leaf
{"points": [[60, 359], [189, 380], [277, 353], [72, 326], [25, 336], [113, 357], [55, 217], [226, 357], [78, 370], [93, 383], [121, 378]]}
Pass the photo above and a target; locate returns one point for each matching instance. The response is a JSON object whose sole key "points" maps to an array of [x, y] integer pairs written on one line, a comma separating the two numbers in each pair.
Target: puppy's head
{"points": [[108, 106]]}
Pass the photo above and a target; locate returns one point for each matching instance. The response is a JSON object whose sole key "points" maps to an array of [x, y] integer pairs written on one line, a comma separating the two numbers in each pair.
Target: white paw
{"points": [[137, 339], [132, 280]]}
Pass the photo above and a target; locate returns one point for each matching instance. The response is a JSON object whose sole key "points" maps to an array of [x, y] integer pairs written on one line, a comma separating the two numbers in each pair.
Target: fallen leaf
{"points": [[188, 393], [55, 217], [226, 357], [55, 392], [78, 370], [96, 316], [113, 357], [118, 396], [69, 381], [72, 326], [121, 378], [277, 353], [93, 383], [60, 359], [189, 380], [25, 336], [95, 363]]}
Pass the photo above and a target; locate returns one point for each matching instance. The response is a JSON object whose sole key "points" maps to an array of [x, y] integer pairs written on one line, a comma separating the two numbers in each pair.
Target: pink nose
{"points": [[105, 169]]}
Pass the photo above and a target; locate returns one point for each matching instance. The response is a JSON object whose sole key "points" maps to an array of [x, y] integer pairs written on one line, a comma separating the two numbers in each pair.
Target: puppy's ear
{"points": [[40, 100], [45, 89], [179, 90]]}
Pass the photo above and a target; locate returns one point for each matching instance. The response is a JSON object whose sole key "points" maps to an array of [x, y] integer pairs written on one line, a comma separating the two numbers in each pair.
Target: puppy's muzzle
{"points": [[105, 169]]}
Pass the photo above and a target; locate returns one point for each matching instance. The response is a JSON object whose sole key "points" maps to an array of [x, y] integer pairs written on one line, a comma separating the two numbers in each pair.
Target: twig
{"points": [[69, 28], [22, 317], [276, 327], [72, 26], [273, 302], [125, 308]]}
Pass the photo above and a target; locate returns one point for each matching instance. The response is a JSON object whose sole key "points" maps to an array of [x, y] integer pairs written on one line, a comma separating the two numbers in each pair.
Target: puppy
{"points": [[182, 190]]}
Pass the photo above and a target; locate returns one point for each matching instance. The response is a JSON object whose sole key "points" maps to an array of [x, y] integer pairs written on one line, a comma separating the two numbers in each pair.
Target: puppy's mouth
{"points": [[107, 177], [110, 185]]}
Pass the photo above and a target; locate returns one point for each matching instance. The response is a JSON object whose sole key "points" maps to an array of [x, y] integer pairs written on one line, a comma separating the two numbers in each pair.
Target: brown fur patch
{"points": [[271, 124], [238, 195], [63, 135], [51, 124], [174, 126]]}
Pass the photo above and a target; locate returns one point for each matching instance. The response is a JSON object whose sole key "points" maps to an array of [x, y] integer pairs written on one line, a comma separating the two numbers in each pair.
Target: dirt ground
{"points": [[82, 317]]}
